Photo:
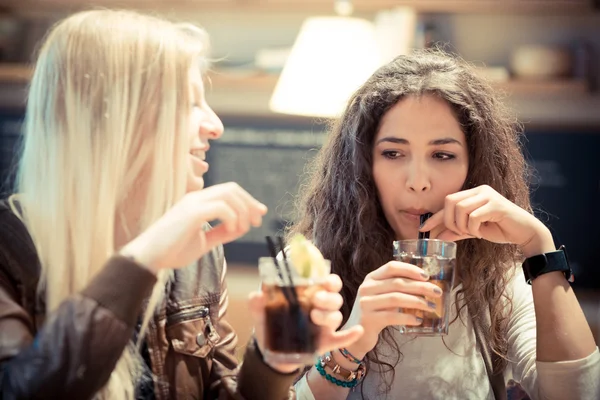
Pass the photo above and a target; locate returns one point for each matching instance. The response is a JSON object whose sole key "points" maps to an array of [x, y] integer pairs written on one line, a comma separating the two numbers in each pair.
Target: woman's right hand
{"points": [[178, 238], [384, 291]]}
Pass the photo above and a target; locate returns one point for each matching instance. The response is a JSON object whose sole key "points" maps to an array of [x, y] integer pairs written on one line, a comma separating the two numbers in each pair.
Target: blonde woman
{"points": [[111, 281]]}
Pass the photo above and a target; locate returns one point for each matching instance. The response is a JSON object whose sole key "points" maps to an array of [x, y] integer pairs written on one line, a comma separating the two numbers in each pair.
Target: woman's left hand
{"points": [[483, 213], [326, 313]]}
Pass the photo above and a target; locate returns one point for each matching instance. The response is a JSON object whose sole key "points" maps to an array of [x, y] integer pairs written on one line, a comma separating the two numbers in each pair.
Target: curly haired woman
{"points": [[426, 134]]}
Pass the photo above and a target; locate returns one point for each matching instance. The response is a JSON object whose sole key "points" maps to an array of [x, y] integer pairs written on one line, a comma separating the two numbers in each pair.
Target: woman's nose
{"points": [[418, 178], [211, 127]]}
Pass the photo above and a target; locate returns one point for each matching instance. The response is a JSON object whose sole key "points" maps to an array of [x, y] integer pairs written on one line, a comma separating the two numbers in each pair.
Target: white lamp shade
{"points": [[331, 58]]}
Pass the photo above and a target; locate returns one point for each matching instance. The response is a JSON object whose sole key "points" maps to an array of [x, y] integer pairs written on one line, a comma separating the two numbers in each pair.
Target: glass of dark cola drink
{"points": [[438, 259], [290, 335]]}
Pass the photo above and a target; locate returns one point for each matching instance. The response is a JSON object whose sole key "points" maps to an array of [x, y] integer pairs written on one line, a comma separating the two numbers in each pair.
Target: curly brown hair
{"points": [[339, 211]]}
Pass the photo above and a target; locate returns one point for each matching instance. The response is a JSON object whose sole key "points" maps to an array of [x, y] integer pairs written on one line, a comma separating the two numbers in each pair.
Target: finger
{"points": [[327, 301], [224, 191], [238, 204], [252, 202], [333, 283], [450, 204], [474, 226], [218, 210], [450, 214], [328, 319], [256, 209], [398, 269], [435, 220], [256, 306], [435, 232], [256, 218], [334, 340], [463, 194], [220, 234], [463, 210], [395, 300], [403, 285], [449, 236], [439, 217], [483, 214]]}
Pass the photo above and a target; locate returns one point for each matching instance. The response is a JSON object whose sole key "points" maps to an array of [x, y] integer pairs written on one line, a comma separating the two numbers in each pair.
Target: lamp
{"points": [[330, 59]]}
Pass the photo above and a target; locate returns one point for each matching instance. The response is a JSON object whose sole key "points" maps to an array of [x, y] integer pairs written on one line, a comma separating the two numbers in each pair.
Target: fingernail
{"points": [[431, 304], [425, 275], [437, 290]]}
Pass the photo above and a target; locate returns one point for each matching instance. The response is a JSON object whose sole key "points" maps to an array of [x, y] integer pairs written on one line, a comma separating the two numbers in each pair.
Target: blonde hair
{"points": [[107, 117]]}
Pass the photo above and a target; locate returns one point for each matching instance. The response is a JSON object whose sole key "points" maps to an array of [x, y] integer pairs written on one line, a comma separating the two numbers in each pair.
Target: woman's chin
{"points": [[195, 183], [403, 235]]}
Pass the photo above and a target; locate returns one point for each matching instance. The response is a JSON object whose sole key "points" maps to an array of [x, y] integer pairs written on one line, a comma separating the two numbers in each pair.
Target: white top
{"points": [[431, 369]]}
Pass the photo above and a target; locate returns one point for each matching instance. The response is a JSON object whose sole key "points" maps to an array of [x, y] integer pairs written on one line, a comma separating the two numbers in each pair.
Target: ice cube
{"points": [[431, 266]]}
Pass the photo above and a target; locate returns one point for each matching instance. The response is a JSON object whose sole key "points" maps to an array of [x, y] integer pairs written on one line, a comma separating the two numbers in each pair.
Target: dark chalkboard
{"points": [[268, 161], [567, 195]]}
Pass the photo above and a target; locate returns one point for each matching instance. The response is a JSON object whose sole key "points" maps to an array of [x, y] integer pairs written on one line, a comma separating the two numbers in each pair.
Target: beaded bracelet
{"points": [[328, 361], [335, 381], [352, 378], [348, 356]]}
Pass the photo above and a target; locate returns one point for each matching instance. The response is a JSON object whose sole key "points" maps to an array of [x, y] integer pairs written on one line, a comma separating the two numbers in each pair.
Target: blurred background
{"points": [[542, 53]]}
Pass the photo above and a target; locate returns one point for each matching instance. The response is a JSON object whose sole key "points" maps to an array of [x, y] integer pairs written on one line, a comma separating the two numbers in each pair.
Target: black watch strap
{"points": [[548, 262]]}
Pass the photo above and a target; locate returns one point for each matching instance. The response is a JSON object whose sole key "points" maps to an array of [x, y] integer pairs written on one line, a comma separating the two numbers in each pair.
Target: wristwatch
{"points": [[548, 262]]}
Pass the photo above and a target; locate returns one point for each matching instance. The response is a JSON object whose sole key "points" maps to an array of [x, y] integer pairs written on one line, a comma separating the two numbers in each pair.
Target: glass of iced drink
{"points": [[438, 259], [290, 335]]}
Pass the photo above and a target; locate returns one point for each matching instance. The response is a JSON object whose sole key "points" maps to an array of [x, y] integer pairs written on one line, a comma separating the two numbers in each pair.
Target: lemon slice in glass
{"points": [[306, 258]]}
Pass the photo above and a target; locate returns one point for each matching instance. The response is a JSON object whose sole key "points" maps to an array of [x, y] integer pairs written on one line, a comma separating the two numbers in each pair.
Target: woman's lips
{"points": [[201, 163], [413, 215], [413, 218]]}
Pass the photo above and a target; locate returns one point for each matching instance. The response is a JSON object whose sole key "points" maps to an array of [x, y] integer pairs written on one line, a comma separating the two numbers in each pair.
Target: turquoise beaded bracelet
{"points": [[334, 380]]}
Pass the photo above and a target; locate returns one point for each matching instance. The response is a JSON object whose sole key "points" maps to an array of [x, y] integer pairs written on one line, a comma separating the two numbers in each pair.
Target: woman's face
{"points": [[419, 157], [204, 125]]}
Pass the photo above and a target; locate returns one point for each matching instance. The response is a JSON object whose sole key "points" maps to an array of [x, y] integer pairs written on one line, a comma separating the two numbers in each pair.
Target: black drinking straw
{"points": [[287, 268], [422, 219], [273, 251]]}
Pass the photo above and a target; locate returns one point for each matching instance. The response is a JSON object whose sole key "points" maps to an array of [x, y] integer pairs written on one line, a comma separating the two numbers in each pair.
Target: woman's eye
{"points": [[391, 154], [444, 156]]}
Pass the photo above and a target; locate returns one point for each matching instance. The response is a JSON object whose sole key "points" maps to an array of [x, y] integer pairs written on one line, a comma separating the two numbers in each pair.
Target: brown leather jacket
{"points": [[70, 353]]}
